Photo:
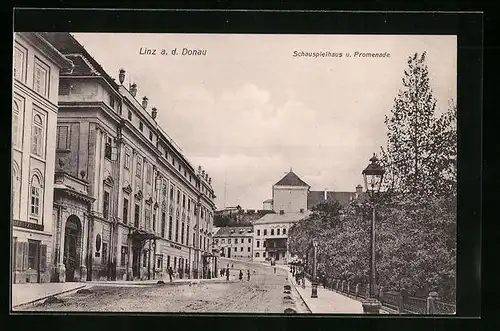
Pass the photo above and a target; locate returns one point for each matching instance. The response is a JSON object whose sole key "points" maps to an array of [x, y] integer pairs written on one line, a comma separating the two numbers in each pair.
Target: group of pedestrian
{"points": [[226, 272]]}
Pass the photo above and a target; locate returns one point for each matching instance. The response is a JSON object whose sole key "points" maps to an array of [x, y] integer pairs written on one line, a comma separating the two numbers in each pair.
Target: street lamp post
{"points": [[373, 175], [314, 288]]}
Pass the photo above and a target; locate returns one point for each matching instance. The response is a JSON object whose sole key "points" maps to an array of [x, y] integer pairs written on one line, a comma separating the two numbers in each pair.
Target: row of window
{"points": [[241, 249], [165, 153], [37, 129], [278, 232], [41, 71], [242, 240], [183, 232]]}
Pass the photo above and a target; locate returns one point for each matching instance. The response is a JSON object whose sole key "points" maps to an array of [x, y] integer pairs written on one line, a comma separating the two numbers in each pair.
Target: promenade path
{"points": [[328, 301]]}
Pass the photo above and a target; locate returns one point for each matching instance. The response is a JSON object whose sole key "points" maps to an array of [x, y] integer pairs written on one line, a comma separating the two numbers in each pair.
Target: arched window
{"points": [[284, 231], [257, 254], [37, 136], [272, 232], [35, 197], [15, 123]]}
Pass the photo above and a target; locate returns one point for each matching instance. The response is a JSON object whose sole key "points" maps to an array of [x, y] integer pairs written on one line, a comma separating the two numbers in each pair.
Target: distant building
{"points": [[290, 194], [228, 211], [267, 204], [235, 242], [314, 198], [271, 236]]}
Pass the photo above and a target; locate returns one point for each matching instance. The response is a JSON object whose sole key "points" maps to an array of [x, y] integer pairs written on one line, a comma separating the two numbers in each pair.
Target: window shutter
{"points": [[25, 255], [43, 257]]}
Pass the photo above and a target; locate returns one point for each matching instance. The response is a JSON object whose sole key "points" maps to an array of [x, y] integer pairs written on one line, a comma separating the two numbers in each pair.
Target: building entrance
{"points": [[136, 261], [72, 238]]}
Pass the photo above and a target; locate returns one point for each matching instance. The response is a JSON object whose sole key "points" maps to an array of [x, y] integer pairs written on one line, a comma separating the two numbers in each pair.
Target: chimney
{"points": [[154, 112], [144, 102], [121, 76], [210, 180], [199, 169], [325, 194], [203, 174], [133, 89]]}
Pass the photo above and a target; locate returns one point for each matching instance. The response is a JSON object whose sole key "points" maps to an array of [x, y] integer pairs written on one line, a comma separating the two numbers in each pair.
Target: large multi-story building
{"points": [[37, 65], [128, 203], [235, 242]]}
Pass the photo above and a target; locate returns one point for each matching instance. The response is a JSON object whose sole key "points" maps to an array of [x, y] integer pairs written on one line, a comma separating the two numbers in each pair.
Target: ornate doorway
{"points": [[136, 260], [72, 241]]}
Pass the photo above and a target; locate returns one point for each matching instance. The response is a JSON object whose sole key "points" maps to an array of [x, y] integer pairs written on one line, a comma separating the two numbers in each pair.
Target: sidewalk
{"points": [[327, 302], [27, 293]]}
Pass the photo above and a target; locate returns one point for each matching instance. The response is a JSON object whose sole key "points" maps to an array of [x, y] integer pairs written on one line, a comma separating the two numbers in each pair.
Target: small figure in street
{"points": [[241, 275], [170, 273], [303, 282], [227, 273], [248, 275], [222, 272]]}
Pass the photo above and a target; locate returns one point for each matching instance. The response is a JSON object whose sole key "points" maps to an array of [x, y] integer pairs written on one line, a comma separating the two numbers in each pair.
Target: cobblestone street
{"points": [[262, 294]]}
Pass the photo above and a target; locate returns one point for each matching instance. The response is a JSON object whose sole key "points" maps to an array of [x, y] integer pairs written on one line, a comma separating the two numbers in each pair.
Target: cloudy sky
{"points": [[249, 110]]}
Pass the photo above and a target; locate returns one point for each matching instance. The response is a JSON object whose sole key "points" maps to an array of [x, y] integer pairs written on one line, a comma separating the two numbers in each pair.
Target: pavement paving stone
{"points": [[328, 302]]}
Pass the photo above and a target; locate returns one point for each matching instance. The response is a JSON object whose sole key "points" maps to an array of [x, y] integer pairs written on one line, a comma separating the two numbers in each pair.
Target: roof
{"points": [[48, 49], [72, 49], [314, 198], [291, 179], [268, 200], [234, 231], [282, 218]]}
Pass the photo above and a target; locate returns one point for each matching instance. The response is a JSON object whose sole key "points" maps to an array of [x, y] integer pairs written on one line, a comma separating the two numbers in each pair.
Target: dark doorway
{"points": [[229, 252], [136, 261], [72, 235]]}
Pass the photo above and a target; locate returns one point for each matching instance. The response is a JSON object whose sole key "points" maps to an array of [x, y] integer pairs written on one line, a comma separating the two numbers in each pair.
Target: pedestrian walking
{"points": [[227, 273], [248, 275], [241, 275], [170, 273]]}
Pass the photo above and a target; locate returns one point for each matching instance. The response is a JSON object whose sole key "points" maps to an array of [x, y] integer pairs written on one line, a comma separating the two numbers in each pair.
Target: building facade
{"points": [[290, 194], [235, 242], [37, 65], [141, 207], [271, 236]]}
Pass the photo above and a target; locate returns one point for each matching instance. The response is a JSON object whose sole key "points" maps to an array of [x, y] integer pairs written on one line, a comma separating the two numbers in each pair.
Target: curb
{"points": [[300, 295], [47, 296]]}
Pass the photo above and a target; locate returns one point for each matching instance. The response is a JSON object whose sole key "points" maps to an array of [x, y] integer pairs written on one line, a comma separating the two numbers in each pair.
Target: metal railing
{"points": [[393, 300]]}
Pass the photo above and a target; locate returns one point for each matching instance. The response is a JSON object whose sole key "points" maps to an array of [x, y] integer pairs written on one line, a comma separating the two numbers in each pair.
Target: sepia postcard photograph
{"points": [[234, 173]]}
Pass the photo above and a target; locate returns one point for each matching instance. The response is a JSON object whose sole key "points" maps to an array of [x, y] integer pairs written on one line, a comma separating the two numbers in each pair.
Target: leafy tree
{"points": [[416, 215]]}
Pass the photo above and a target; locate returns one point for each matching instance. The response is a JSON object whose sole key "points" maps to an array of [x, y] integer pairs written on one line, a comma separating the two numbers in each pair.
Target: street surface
{"points": [[262, 294]]}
